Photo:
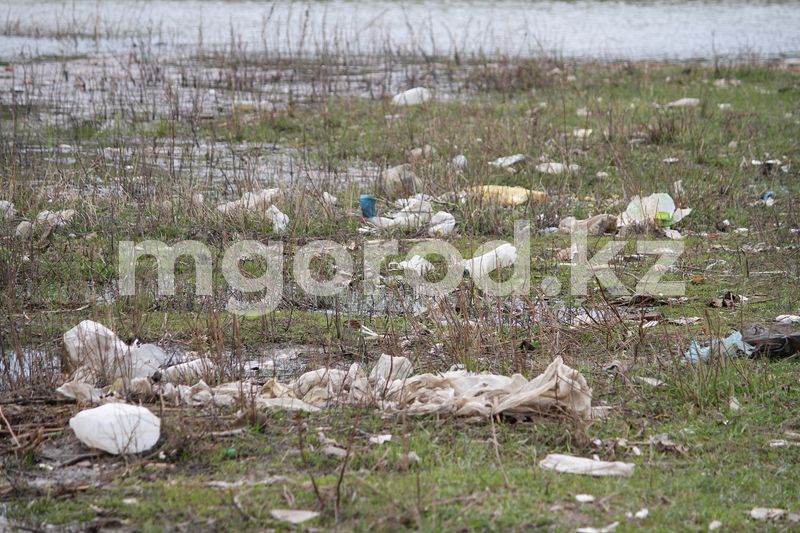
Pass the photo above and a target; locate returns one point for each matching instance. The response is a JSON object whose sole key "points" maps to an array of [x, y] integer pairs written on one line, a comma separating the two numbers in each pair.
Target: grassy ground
{"points": [[470, 475]]}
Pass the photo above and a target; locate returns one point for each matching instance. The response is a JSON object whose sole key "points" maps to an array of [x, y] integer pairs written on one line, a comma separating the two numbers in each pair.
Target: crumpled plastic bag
{"points": [[570, 464], [657, 210], [730, 346], [117, 428]]}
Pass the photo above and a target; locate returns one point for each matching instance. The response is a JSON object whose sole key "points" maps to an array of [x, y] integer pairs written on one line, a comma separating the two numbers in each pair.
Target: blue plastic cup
{"points": [[367, 202]]}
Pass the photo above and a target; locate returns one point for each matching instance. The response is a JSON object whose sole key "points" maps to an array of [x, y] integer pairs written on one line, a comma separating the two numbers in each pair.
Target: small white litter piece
{"points": [[380, 439], [653, 382], [581, 133], [685, 102], [766, 513], [459, 162], [584, 498], [24, 230], [501, 257], [670, 160], [570, 464], [415, 96], [280, 221], [293, 516], [511, 161], [417, 264], [556, 168], [787, 319], [117, 428], [252, 202], [329, 199], [715, 525], [724, 107], [7, 210], [441, 224], [55, 218], [607, 529]]}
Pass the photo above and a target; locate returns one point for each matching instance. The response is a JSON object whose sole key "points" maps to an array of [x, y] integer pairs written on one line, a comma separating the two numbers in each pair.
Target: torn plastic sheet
{"points": [[731, 346], [570, 464]]}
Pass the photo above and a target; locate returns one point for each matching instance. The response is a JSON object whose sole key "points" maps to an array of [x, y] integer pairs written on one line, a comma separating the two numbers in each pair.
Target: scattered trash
{"points": [[280, 221], [55, 219], [416, 154], [607, 529], [684, 102], [601, 175], [581, 133], [723, 83], [7, 210], [252, 202], [653, 382], [765, 513], [460, 162], [724, 107], [334, 451], [24, 230], [501, 257], [782, 443], [415, 96], [117, 428], [734, 405], [400, 179], [380, 439], [583, 112], [728, 299], [511, 162], [685, 321], [641, 514], [596, 225], [768, 343], [556, 168], [656, 211], [580, 465], [584, 498], [787, 319], [670, 160], [663, 443], [731, 346], [504, 195], [368, 205], [329, 199], [441, 224], [715, 525], [293, 516], [417, 264]]}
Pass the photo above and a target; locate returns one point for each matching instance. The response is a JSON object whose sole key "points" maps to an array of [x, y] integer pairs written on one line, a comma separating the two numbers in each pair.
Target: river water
{"points": [[587, 29]]}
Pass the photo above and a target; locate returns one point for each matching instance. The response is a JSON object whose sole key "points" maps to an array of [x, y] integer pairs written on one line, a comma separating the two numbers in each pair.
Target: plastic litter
{"points": [[582, 133], [368, 206], [685, 102], [501, 257], [596, 225], [24, 230], [767, 342], [380, 439], [441, 224], [415, 154], [510, 162], [607, 529], [400, 179], [252, 202], [504, 195], [656, 210], [280, 221], [730, 346], [7, 210], [415, 96], [417, 264], [460, 162], [787, 319], [55, 219], [766, 513], [584, 498], [570, 464], [714, 525], [293, 516], [117, 428], [556, 168]]}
